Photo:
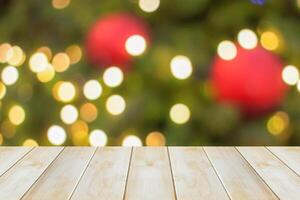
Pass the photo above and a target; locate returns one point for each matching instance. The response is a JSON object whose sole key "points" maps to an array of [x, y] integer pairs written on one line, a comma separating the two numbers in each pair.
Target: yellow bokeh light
{"points": [[1, 139], [290, 75], [8, 129], [278, 123], [16, 56], [38, 62], [149, 5], [113, 76], [16, 115], [9, 75], [88, 112], [132, 141], [69, 114], [79, 126], [56, 135], [180, 113], [4, 55], [92, 89], [61, 62], [269, 40], [181, 67], [47, 74], [135, 45], [60, 4], [115, 104], [227, 50], [2, 90], [98, 138], [30, 142], [64, 91], [74, 52], [46, 51], [155, 139], [247, 39]]}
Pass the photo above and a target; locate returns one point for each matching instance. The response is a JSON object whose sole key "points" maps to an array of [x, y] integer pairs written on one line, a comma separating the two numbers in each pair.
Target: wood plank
{"points": [[61, 178], [194, 177], [105, 178], [237, 176], [284, 182], [10, 155], [289, 155], [15, 182], [150, 175]]}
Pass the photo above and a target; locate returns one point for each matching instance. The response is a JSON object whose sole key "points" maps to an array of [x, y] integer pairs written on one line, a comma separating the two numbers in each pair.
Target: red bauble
{"points": [[105, 44], [251, 81]]}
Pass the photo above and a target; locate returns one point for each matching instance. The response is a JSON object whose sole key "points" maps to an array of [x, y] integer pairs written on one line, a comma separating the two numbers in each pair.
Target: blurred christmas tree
{"points": [[58, 87]]}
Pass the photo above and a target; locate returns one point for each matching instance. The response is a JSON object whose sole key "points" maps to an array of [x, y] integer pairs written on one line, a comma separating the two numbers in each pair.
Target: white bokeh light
{"points": [[69, 114], [135, 45], [92, 89], [149, 5], [113, 76], [247, 39], [115, 104], [180, 113], [131, 141], [181, 67], [290, 75], [227, 50], [38, 62], [56, 135], [9, 75], [98, 138]]}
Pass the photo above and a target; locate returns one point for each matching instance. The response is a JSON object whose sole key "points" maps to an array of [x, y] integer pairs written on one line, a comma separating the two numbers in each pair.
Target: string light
{"points": [[227, 50], [30, 142], [88, 112], [38, 62], [135, 45], [61, 62], [131, 141], [69, 114], [290, 75], [74, 52], [2, 90], [56, 135], [60, 4], [155, 139], [115, 105], [269, 40], [247, 39], [149, 5], [278, 123], [16, 115], [65, 91], [181, 67], [9, 75], [180, 113], [113, 76], [92, 89], [98, 138], [47, 74]]}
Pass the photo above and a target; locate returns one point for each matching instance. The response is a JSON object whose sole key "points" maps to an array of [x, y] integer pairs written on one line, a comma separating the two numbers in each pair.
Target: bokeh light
{"points": [[46, 51], [16, 115], [16, 56], [227, 50], [155, 139], [8, 129], [290, 75], [115, 104], [2, 90], [1, 139], [56, 135], [47, 74], [69, 114], [74, 52], [4, 49], [181, 67], [149, 5], [92, 89], [135, 45], [278, 123], [88, 112], [64, 91], [60, 4], [180, 113], [132, 141], [30, 143], [79, 131], [38, 62], [98, 138], [61, 62], [269, 40], [113, 76], [247, 39], [9, 75]]}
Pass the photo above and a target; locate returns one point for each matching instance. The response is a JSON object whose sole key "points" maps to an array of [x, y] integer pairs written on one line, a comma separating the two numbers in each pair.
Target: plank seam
{"points": [[127, 175], [172, 174], [25, 193], [215, 170], [83, 172], [261, 178]]}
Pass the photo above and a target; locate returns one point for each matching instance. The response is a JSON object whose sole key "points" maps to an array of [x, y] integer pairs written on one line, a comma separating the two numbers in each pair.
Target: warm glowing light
{"points": [[278, 123], [61, 62], [56, 135], [8, 129], [2, 90], [46, 51], [47, 74], [4, 55], [149, 5], [131, 141], [181, 67], [113, 76], [88, 112], [38, 62], [16, 115], [180, 113], [98, 138], [74, 52], [227, 50], [30, 143], [290, 75], [155, 139], [69, 114], [298, 86], [9, 75], [115, 104], [79, 132], [16, 57], [60, 4], [247, 39], [269, 40], [64, 91], [135, 45], [1, 139], [92, 89], [79, 126]]}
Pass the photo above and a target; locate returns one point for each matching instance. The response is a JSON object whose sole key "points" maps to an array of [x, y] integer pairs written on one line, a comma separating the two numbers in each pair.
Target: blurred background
{"points": [[149, 72]]}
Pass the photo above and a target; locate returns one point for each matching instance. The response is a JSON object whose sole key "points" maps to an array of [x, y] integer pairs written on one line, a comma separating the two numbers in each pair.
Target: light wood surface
{"points": [[149, 173]]}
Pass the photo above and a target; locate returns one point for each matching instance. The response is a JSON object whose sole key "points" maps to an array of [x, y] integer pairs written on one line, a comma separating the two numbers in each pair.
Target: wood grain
{"points": [[194, 177], [105, 178], [239, 179], [150, 176]]}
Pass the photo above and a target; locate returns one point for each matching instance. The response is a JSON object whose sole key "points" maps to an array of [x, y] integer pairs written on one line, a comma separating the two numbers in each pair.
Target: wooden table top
{"points": [[149, 173]]}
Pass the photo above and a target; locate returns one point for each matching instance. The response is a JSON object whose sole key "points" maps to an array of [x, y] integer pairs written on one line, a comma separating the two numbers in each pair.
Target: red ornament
{"points": [[251, 81], [106, 39]]}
